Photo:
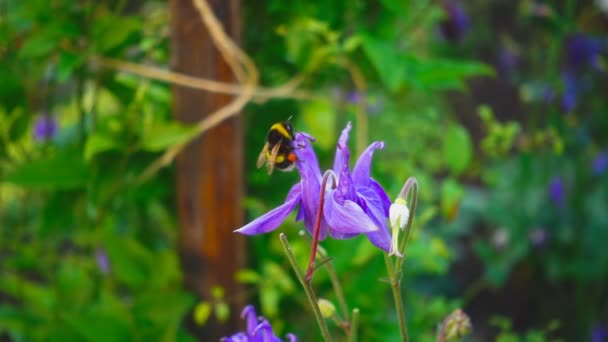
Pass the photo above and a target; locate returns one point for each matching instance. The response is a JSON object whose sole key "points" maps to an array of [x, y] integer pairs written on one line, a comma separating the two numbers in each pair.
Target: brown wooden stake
{"points": [[210, 169]]}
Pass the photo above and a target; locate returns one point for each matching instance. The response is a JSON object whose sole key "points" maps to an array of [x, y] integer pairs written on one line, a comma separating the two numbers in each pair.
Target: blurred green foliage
{"points": [[88, 253]]}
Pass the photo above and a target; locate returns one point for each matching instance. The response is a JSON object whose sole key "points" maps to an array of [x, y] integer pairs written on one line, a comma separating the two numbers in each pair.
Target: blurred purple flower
{"points": [[557, 191], [569, 97], [582, 51], [600, 163], [353, 97], [508, 59], [456, 22], [103, 263], [357, 204], [599, 334], [45, 127], [538, 237], [258, 329], [548, 94]]}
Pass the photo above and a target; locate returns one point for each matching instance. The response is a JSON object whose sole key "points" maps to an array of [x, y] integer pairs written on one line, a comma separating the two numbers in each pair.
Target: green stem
{"points": [[354, 325], [396, 287], [312, 299]]}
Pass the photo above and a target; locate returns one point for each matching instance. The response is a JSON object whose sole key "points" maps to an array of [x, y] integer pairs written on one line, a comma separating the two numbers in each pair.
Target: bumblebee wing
{"points": [[272, 158], [262, 156]]}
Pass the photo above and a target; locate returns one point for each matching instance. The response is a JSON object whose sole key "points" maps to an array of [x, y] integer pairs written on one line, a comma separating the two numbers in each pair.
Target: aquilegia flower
{"points": [[456, 22], [258, 329], [600, 163], [355, 204], [557, 191], [103, 263], [45, 128]]}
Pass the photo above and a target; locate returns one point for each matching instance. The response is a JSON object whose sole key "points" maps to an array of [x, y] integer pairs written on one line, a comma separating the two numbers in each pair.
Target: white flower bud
{"points": [[399, 213]]}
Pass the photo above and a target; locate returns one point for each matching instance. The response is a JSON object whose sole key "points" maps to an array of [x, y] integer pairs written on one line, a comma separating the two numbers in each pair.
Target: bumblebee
{"points": [[278, 151]]}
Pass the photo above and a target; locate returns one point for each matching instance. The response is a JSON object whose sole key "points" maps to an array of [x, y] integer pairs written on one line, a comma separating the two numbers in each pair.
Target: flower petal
{"points": [[251, 317], [346, 187], [346, 218], [361, 171], [272, 219], [307, 163], [372, 205], [342, 152], [386, 201]]}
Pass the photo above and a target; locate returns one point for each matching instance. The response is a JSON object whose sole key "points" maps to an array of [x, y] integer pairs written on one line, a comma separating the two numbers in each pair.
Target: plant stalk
{"points": [[310, 294]]}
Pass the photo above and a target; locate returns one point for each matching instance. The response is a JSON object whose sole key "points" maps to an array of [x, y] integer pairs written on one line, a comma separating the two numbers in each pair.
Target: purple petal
{"points": [[373, 206], [251, 316], [292, 338], [307, 164], [346, 218], [238, 337], [346, 187], [361, 172], [342, 152], [386, 201], [272, 219]]}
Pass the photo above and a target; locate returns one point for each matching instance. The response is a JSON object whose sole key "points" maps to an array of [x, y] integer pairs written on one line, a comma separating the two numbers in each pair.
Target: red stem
{"points": [[315, 235]]}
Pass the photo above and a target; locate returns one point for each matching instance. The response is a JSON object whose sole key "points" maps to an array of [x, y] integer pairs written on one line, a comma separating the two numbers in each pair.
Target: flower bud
{"points": [[399, 213], [327, 308], [455, 326]]}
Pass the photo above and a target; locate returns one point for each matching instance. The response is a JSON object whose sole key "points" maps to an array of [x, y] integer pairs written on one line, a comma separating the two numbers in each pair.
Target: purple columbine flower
{"points": [[600, 163], [582, 51], [569, 97], [45, 128], [456, 22], [357, 204], [599, 334], [103, 263], [258, 329], [557, 190], [353, 97]]}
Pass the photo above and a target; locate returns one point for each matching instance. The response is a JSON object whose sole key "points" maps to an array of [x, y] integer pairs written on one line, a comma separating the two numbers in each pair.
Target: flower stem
{"points": [[310, 294], [315, 236], [354, 325], [396, 287]]}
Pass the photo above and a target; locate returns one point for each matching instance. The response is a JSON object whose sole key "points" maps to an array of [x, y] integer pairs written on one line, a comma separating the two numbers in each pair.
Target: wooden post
{"points": [[210, 169]]}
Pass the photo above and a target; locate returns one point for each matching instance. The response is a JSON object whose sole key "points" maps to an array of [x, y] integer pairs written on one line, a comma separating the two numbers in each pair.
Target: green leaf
{"points": [[389, 65], [202, 311], [62, 171], [98, 143], [109, 31], [457, 148], [38, 45], [164, 135], [68, 62]]}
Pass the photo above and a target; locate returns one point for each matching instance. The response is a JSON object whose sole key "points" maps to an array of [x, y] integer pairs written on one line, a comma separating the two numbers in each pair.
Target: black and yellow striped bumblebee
{"points": [[278, 151]]}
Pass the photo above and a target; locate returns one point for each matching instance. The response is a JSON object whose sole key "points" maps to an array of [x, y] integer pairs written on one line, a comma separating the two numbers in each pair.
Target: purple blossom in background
{"points": [[258, 329], [569, 97], [357, 205], [353, 97], [508, 59], [557, 191], [103, 263], [538, 237], [45, 127], [456, 22], [582, 51], [599, 334], [548, 94], [600, 163]]}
